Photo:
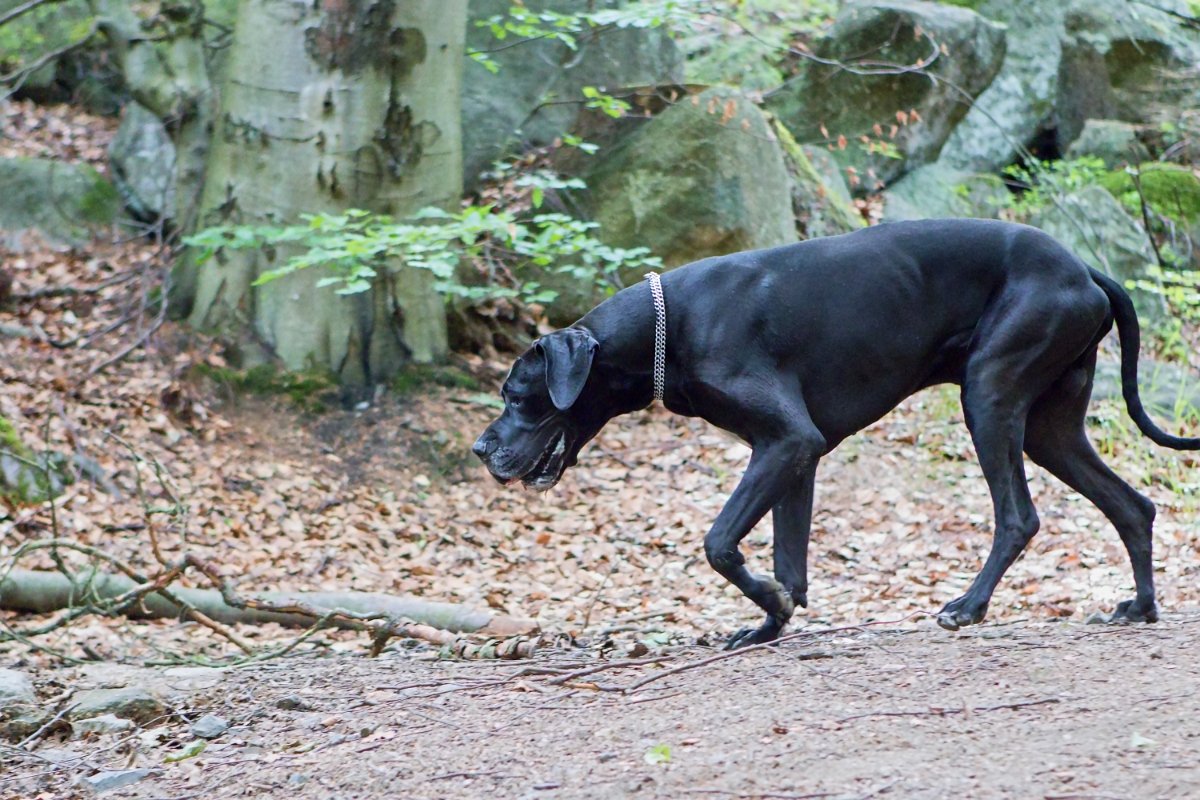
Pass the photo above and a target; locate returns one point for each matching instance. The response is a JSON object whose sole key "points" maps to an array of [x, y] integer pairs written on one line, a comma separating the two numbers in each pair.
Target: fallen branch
{"points": [[43, 592], [944, 712], [743, 651]]}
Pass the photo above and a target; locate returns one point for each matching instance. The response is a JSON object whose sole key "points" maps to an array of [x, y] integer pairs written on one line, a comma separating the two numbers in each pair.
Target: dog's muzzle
{"points": [[506, 465]]}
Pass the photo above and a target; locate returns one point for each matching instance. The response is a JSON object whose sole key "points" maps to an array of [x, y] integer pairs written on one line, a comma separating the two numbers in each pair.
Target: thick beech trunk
{"points": [[327, 106]]}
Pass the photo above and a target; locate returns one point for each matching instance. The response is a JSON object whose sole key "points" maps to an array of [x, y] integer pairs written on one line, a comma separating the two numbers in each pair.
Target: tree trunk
{"points": [[166, 72], [328, 106]]}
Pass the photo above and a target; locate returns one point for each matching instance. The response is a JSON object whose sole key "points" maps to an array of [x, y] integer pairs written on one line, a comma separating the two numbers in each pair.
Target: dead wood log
{"points": [[43, 592]]}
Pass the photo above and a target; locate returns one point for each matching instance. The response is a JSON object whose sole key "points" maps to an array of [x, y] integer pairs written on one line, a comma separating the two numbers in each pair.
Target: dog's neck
{"points": [[624, 327]]}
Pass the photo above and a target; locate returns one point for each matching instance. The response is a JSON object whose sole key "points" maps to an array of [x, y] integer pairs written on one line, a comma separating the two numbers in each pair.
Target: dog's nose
{"points": [[483, 446]]}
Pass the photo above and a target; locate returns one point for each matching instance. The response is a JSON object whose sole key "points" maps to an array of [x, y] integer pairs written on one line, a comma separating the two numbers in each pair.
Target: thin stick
{"points": [[740, 652], [945, 712]]}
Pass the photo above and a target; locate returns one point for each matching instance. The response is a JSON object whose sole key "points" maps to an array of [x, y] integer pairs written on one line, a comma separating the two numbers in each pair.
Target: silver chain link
{"points": [[660, 335]]}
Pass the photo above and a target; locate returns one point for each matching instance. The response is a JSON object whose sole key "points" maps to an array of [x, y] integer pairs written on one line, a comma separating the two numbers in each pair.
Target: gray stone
{"points": [[821, 202], [1094, 225], [1122, 60], [30, 478], [105, 723], [828, 102], [114, 779], [937, 190], [1019, 102], [704, 178], [64, 203], [537, 93], [131, 702], [1113, 141], [293, 702], [210, 726], [142, 159], [15, 690], [1167, 390]]}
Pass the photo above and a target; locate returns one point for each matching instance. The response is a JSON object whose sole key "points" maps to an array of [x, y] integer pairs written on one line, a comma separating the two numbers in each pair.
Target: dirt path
{"points": [[1026, 709]]}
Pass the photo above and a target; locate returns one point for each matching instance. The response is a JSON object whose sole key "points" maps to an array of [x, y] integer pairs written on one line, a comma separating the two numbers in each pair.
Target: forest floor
{"points": [[873, 700]]}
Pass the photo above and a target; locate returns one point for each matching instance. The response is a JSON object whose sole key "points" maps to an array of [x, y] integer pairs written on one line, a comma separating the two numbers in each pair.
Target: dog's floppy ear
{"points": [[568, 355]]}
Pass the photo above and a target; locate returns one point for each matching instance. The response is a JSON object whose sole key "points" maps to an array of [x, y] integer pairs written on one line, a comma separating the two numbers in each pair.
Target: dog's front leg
{"points": [[774, 468]]}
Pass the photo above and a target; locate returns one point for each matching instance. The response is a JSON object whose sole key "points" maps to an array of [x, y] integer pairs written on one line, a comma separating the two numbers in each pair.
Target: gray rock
{"points": [[821, 201], [1019, 102], [64, 203], [535, 96], [293, 702], [114, 779], [105, 723], [1113, 141], [142, 158], [827, 102], [704, 178], [1122, 60], [131, 702], [1167, 390], [15, 690], [210, 726], [937, 190], [1093, 224]]}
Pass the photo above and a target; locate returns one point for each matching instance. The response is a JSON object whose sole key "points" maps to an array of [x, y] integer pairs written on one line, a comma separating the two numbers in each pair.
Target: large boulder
{"points": [[536, 93], [1094, 225], [1114, 142], [893, 118], [142, 158], [938, 190], [64, 203], [821, 201], [1122, 60], [1019, 102], [704, 178]]}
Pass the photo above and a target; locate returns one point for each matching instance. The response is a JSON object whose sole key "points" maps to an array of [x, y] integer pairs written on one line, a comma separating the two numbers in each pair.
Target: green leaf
{"points": [[658, 754]]}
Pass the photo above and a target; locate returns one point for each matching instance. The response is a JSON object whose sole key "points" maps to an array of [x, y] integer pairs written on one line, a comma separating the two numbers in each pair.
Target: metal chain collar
{"points": [[660, 335]]}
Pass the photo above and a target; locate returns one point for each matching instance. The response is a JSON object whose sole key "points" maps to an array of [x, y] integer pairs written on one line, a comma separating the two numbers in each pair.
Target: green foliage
{"points": [[601, 101], [1041, 184], [1170, 190], [358, 247], [1180, 288], [417, 376], [41, 31], [522, 23]]}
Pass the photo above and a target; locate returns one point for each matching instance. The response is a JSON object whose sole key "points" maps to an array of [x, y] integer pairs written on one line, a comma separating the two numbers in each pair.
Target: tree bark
{"points": [[328, 106], [166, 72], [43, 592]]}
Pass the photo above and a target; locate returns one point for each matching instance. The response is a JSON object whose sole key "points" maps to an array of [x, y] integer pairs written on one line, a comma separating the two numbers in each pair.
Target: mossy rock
{"points": [[891, 121], [1170, 190], [706, 177], [64, 203], [820, 200], [27, 477], [1113, 141], [935, 191]]}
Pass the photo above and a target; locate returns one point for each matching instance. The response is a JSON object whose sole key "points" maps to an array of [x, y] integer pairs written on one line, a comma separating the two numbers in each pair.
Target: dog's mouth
{"points": [[549, 466]]}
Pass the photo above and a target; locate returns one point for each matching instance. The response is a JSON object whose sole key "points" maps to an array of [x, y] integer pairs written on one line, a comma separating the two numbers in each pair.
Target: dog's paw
{"points": [[749, 636], [1132, 611], [961, 613]]}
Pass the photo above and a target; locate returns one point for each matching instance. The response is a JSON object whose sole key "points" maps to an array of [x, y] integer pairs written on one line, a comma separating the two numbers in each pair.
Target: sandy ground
{"points": [[1026, 709]]}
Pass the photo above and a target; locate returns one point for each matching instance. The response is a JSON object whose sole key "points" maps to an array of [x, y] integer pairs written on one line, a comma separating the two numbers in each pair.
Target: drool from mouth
{"points": [[546, 471]]}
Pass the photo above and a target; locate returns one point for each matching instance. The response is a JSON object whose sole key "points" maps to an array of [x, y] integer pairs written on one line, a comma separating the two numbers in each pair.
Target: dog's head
{"points": [[545, 422]]}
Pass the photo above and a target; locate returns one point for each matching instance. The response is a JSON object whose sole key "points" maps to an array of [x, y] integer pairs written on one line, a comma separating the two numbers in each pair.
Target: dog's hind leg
{"points": [[773, 471], [996, 422], [1055, 438], [792, 518]]}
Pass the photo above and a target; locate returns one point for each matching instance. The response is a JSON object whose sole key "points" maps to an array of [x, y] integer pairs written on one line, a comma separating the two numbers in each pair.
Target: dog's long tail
{"points": [[1129, 333]]}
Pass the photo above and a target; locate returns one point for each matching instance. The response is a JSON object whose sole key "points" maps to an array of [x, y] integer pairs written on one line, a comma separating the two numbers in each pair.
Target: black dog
{"points": [[797, 347]]}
